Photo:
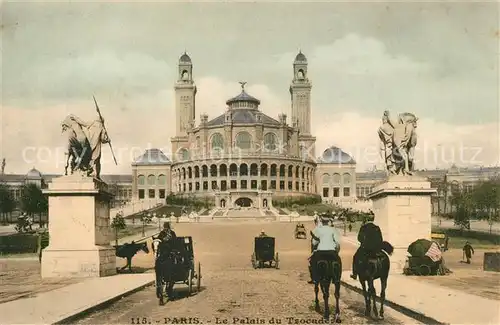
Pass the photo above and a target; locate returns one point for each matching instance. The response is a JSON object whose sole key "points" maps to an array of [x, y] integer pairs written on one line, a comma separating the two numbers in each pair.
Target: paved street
{"points": [[232, 289]]}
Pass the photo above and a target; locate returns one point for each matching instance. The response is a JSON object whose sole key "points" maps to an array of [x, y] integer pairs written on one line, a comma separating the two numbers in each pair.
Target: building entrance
{"points": [[244, 202]]}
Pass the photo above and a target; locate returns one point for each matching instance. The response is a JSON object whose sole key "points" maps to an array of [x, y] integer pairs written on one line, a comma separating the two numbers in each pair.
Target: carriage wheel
{"points": [[277, 261], [424, 270], [254, 261], [198, 283], [190, 282]]}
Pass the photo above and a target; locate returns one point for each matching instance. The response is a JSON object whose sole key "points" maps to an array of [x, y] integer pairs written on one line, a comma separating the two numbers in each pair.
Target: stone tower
{"points": [[300, 92], [185, 99], [185, 93]]}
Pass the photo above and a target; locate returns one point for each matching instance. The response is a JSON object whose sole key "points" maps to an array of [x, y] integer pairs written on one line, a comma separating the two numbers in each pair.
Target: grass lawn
{"points": [[309, 209], [131, 230], [163, 210]]}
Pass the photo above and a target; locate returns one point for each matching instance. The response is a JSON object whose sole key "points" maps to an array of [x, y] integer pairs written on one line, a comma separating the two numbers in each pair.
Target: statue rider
{"points": [[370, 239], [325, 244]]}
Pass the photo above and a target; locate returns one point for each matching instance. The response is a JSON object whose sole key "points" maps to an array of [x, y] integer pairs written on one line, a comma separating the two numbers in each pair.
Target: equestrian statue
{"points": [[84, 144], [397, 142]]}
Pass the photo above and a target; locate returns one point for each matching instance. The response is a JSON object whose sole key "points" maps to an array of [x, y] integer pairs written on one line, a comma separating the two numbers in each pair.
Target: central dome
{"points": [[335, 155], [243, 100]]}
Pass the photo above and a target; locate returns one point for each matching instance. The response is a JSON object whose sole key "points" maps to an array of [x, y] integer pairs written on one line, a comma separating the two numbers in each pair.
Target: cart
{"points": [[185, 272], [300, 232], [264, 253]]}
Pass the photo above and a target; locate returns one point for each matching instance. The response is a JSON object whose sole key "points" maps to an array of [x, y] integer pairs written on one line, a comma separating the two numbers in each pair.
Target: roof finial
{"points": [[243, 83], [300, 50], [185, 52]]}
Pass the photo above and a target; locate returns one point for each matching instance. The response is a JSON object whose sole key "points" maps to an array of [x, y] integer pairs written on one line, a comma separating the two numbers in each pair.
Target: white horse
{"points": [[154, 245]]}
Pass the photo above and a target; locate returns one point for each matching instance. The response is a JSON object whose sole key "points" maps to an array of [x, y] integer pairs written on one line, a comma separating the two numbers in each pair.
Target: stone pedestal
{"points": [[79, 229], [402, 207]]}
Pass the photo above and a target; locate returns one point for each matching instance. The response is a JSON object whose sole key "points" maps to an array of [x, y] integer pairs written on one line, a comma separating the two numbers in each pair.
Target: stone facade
{"points": [[402, 207]]}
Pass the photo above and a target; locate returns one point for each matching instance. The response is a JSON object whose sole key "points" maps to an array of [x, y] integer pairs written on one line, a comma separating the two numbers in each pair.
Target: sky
{"points": [[438, 60]]}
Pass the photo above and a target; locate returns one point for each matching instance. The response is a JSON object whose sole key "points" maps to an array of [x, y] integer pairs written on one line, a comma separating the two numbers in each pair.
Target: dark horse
{"points": [[326, 268], [370, 268], [128, 251], [166, 264]]}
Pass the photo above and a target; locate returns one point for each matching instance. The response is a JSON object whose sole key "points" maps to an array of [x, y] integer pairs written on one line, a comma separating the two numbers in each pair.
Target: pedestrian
{"points": [[350, 227], [468, 251]]}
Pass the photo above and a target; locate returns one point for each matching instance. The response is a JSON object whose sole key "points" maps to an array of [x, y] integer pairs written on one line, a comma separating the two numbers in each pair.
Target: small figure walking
{"points": [[468, 251], [350, 227]]}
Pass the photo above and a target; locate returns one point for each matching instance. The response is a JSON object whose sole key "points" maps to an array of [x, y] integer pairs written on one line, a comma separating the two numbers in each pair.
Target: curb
{"points": [[82, 313], [418, 316]]}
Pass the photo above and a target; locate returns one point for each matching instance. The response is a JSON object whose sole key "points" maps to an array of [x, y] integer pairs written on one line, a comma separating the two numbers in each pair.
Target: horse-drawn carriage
{"points": [[179, 270], [300, 231], [264, 252], [184, 272]]}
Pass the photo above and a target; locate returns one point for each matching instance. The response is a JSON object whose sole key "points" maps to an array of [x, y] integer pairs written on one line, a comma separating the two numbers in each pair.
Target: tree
{"points": [[33, 201], [7, 202], [146, 218], [118, 224], [464, 207], [486, 197]]}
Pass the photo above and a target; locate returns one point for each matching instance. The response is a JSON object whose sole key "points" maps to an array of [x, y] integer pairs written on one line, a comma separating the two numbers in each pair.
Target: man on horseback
{"points": [[325, 244], [370, 239]]}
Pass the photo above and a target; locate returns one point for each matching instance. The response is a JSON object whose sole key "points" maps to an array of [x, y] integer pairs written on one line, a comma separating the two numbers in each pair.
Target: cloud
{"points": [[355, 79], [439, 144], [360, 73], [33, 137], [76, 77], [357, 55]]}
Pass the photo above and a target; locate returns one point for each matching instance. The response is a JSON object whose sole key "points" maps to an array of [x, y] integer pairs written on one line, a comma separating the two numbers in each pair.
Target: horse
{"points": [[370, 269], [79, 152], [155, 245], [324, 272], [165, 270], [128, 251]]}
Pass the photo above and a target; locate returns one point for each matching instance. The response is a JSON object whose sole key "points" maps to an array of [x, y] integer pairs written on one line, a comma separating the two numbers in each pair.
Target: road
{"points": [[478, 225], [232, 290]]}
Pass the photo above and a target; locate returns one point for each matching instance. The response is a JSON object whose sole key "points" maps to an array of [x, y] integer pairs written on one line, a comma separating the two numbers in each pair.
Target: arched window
{"points": [[325, 179], [217, 141], [141, 179], [183, 154], [244, 140], [151, 180], [233, 170], [223, 170], [162, 180], [336, 178], [346, 178], [270, 142]]}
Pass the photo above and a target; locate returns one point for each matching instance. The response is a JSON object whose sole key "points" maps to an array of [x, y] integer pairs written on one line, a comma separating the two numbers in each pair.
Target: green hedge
{"points": [[18, 243], [291, 201]]}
